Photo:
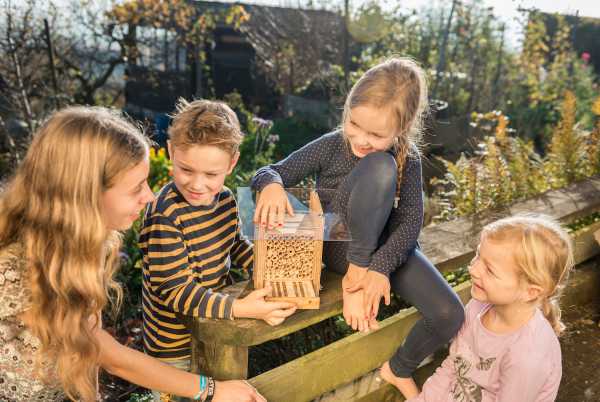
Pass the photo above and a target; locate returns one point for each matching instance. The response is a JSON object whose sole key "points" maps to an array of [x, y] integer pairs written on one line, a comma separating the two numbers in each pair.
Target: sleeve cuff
{"points": [[228, 310], [265, 179], [384, 269]]}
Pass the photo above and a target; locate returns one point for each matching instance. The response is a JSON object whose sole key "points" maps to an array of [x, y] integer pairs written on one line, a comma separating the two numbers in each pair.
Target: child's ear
{"points": [[234, 160], [533, 292], [169, 149]]}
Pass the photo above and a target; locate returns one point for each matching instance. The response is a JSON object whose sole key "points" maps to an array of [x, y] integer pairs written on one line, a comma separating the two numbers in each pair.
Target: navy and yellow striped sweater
{"points": [[187, 252]]}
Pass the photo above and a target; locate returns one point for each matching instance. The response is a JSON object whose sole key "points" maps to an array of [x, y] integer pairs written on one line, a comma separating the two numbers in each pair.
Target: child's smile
{"points": [[199, 171], [367, 131]]}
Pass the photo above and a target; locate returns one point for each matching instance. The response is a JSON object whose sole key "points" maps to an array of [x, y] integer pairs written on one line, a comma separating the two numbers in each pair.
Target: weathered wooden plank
{"points": [[370, 387], [223, 362], [582, 288], [247, 332], [333, 365], [585, 245], [451, 244]]}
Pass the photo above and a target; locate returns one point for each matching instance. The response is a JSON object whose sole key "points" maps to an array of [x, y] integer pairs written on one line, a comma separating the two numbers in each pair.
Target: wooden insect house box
{"points": [[288, 258]]}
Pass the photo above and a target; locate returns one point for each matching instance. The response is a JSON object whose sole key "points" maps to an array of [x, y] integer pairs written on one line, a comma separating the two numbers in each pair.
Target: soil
{"points": [[581, 355]]}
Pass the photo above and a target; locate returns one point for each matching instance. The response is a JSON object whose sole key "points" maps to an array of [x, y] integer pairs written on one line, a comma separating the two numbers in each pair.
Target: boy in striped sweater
{"points": [[192, 236]]}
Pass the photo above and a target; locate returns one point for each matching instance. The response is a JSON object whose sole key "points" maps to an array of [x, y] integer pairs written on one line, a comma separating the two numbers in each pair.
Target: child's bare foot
{"points": [[406, 386], [354, 312]]}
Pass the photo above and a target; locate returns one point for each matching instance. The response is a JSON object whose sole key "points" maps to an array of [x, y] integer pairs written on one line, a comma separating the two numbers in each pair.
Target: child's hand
{"points": [[272, 206], [255, 306], [375, 286]]}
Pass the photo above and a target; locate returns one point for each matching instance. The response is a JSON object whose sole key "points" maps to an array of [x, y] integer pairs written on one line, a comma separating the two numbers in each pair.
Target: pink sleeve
{"points": [[439, 382], [529, 377]]}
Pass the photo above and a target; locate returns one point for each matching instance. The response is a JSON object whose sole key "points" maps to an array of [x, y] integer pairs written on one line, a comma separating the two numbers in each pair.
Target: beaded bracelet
{"points": [[210, 390], [198, 396]]}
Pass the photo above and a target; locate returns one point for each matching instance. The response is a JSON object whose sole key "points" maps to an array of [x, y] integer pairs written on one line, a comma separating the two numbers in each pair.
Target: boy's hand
{"points": [[255, 306], [272, 206]]}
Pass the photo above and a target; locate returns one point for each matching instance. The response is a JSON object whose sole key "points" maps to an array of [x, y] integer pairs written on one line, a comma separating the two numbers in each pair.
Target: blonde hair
{"points": [[205, 122], [543, 253], [52, 207], [399, 84]]}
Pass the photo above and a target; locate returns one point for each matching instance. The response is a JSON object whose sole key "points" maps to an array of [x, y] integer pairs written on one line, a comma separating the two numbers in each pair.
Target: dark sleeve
{"points": [[408, 217], [300, 164], [170, 276], [241, 252]]}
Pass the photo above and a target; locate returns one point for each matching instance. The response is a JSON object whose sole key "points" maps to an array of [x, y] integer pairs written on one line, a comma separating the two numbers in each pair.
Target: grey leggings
{"points": [[366, 199]]}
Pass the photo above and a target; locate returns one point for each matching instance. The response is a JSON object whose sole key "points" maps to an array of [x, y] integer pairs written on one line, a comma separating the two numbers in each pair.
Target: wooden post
{"points": [[571, 66], [24, 97], [223, 362]]}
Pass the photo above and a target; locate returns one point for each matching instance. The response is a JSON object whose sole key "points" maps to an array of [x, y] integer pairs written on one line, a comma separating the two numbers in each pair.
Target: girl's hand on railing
{"points": [[272, 206]]}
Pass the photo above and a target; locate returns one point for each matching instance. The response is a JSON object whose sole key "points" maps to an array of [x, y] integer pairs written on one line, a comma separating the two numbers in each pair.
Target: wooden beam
{"points": [[318, 372], [313, 374], [451, 244], [248, 332]]}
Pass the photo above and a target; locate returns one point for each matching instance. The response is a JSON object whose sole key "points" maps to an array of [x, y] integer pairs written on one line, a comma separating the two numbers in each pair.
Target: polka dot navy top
{"points": [[329, 160]]}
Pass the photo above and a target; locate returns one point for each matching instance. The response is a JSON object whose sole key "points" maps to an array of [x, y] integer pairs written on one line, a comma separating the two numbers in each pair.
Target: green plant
{"points": [[566, 160], [546, 67], [506, 168], [296, 131], [257, 147]]}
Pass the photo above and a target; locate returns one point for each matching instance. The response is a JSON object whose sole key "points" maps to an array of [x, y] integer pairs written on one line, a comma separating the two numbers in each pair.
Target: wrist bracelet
{"points": [[210, 390], [198, 396]]}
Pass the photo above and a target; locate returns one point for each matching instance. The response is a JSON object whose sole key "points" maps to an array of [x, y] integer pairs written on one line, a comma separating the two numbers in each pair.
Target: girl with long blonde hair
{"points": [[373, 163], [508, 349], [82, 181]]}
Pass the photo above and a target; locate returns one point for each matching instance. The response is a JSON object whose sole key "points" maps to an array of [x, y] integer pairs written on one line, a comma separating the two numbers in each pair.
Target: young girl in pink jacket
{"points": [[507, 350]]}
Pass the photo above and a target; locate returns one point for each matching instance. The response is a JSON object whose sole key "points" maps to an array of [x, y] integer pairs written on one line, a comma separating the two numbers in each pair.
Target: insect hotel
{"points": [[288, 258]]}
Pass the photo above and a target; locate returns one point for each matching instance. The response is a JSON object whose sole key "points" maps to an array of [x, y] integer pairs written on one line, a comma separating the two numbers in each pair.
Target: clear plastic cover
{"points": [[305, 222]]}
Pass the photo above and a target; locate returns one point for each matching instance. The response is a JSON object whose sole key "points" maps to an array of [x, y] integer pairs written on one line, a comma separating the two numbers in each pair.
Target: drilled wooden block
{"points": [[300, 292], [289, 257]]}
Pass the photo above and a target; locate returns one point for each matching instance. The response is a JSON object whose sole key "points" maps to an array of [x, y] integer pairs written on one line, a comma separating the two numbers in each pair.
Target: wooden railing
{"points": [[220, 347]]}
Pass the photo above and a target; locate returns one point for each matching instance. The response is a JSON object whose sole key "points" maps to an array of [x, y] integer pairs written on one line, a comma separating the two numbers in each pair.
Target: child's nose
{"points": [[148, 195], [362, 142], [472, 267], [198, 184]]}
